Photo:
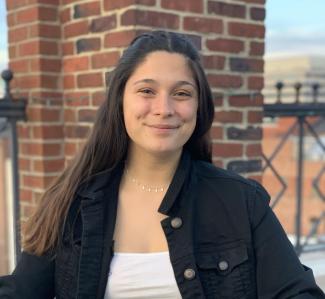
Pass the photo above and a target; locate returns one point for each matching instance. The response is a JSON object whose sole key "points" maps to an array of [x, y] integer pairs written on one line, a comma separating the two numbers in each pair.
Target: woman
{"points": [[142, 212]]}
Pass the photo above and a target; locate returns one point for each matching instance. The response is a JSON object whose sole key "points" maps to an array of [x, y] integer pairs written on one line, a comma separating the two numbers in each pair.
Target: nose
{"points": [[163, 105]]}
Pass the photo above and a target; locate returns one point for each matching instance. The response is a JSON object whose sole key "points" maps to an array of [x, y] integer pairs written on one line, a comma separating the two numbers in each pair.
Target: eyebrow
{"points": [[178, 83]]}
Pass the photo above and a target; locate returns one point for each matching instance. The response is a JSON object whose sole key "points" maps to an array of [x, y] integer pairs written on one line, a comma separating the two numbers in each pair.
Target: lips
{"points": [[163, 126]]}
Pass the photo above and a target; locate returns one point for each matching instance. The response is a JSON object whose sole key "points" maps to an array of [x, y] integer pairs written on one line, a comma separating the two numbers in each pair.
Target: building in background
{"points": [[290, 70]]}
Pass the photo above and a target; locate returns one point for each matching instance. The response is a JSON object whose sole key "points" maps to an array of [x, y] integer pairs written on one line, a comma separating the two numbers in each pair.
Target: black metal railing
{"points": [[11, 111], [301, 111]]}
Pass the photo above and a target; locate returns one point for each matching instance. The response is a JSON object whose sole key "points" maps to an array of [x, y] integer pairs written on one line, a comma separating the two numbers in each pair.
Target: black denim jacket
{"points": [[224, 242]]}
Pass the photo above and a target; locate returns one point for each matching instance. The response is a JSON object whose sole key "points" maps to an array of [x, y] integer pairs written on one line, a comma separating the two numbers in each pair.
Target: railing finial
{"points": [[7, 76]]}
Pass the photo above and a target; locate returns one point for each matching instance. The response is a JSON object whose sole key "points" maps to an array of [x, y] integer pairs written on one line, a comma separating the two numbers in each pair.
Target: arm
{"points": [[279, 272], [33, 278]]}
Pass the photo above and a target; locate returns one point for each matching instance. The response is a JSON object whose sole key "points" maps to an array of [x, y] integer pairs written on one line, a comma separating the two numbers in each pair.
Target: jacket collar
{"points": [[95, 185]]}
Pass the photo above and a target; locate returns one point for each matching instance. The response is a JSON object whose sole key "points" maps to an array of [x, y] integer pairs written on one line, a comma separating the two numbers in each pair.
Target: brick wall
{"points": [[62, 51]]}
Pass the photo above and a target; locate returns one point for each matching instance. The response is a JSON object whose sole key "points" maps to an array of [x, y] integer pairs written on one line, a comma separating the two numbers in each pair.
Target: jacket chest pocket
{"points": [[225, 271]]}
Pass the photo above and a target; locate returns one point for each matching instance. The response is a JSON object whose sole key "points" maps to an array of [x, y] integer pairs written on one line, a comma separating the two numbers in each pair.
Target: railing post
{"points": [[10, 106], [299, 186]]}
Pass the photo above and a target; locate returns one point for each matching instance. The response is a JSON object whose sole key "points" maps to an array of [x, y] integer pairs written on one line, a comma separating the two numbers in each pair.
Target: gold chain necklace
{"points": [[143, 187]]}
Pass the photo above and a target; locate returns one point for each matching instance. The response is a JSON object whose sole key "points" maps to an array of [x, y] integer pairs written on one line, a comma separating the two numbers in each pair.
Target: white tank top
{"points": [[141, 276]]}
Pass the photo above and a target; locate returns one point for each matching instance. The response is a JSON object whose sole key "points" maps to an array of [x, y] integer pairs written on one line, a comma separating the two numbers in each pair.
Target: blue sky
{"points": [[292, 26], [295, 26]]}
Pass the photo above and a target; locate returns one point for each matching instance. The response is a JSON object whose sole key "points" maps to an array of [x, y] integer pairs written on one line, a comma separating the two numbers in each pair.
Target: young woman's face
{"points": [[160, 104]]}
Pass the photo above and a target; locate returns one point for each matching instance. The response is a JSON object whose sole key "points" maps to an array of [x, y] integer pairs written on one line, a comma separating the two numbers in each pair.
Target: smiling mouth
{"points": [[163, 126]]}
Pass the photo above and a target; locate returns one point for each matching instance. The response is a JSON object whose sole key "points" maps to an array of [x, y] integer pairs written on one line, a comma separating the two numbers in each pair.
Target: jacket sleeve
{"points": [[279, 272], [33, 278]]}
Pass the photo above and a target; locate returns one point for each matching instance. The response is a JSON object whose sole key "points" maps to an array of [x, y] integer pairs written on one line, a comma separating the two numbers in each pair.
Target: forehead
{"points": [[163, 65]]}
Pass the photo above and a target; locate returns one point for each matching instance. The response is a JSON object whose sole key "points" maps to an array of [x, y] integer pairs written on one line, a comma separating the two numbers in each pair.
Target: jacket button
{"points": [[223, 265], [189, 274], [176, 222]]}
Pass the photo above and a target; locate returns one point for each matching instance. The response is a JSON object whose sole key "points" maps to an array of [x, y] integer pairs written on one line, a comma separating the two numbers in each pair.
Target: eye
{"points": [[183, 94], [146, 91]]}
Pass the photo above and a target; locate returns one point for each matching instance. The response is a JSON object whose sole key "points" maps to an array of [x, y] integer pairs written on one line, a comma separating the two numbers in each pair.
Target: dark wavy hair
{"points": [[108, 142]]}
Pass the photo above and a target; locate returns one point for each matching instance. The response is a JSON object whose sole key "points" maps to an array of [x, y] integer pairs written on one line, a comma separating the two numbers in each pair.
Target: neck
{"points": [[154, 170]]}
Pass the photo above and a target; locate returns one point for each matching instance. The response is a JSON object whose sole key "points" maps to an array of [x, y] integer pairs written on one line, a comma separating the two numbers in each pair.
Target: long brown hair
{"points": [[107, 144]]}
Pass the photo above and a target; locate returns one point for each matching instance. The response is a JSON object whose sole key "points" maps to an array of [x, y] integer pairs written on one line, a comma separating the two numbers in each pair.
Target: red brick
{"points": [[36, 13], [217, 99], [255, 82], [214, 62], [69, 1], [27, 15], [11, 19], [25, 195], [56, 165], [68, 48], [14, 4], [119, 39], [76, 131], [17, 35], [86, 9], [246, 100], [225, 81], [36, 114], [48, 14], [256, 48], [29, 81], [216, 132], [98, 98], [90, 80], [246, 30], [76, 98], [86, 115], [225, 45], [192, 6], [48, 2], [50, 81], [110, 5], [33, 181], [48, 132], [226, 9], [24, 164], [257, 13], [255, 116], [13, 51], [70, 148], [88, 44], [205, 25], [23, 131], [45, 65], [65, 15], [75, 29], [227, 150], [19, 66], [103, 24], [253, 150], [49, 98], [228, 116], [38, 47], [40, 149], [240, 64], [45, 30], [68, 81], [150, 18], [75, 64], [104, 60], [70, 115]]}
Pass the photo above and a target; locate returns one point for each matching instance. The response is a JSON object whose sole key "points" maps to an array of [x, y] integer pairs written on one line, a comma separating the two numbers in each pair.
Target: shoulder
{"points": [[230, 187], [208, 171]]}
